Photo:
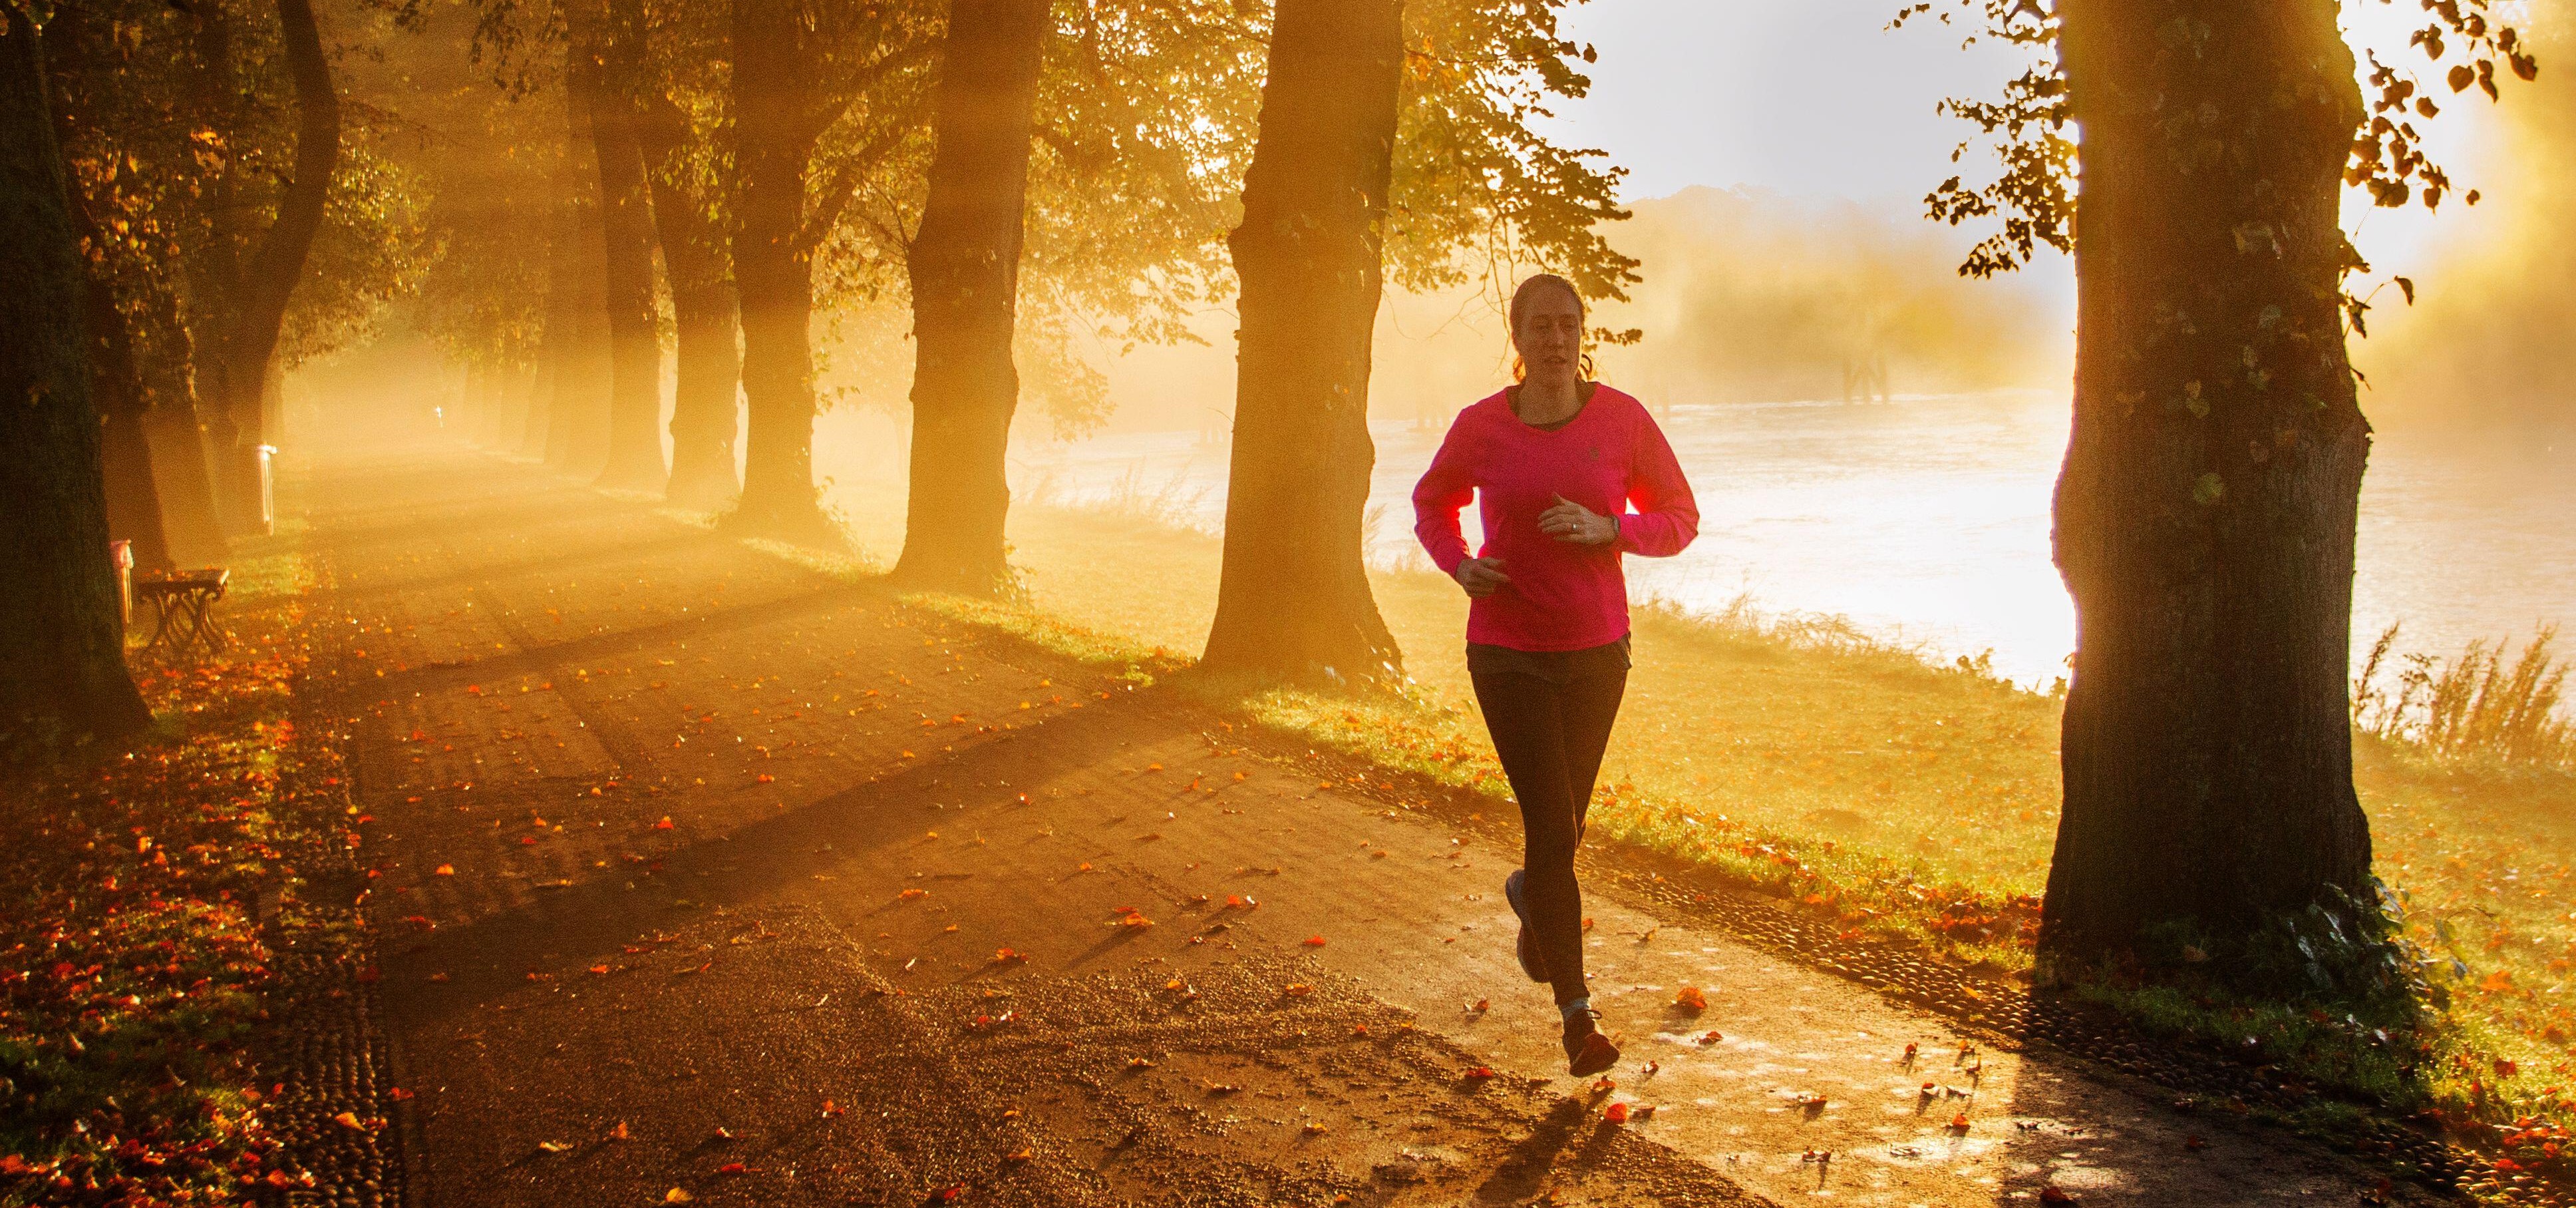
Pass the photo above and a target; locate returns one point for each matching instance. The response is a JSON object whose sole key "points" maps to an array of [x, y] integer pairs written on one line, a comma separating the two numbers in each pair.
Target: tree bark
{"points": [[965, 269], [174, 427], [189, 520], [612, 82], [2205, 515], [481, 401], [774, 136], [535, 421], [116, 386], [1293, 598], [62, 660], [555, 341], [268, 281], [117, 391], [578, 407], [706, 406]]}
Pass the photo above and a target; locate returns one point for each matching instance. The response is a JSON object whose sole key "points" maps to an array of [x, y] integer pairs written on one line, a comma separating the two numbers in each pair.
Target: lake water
{"points": [[1926, 520]]}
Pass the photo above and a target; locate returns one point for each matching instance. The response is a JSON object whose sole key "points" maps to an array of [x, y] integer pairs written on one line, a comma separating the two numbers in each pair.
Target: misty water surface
{"points": [[1926, 520]]}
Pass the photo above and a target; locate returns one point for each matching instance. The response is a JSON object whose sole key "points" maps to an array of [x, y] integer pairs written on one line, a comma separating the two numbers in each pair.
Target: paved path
{"points": [[703, 870]]}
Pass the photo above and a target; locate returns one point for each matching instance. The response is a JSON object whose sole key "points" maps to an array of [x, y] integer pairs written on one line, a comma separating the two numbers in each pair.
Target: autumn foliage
{"points": [[131, 996]]}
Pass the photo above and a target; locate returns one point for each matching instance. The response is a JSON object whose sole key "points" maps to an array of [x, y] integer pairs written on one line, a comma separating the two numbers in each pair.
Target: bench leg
{"points": [[160, 624], [201, 630], [216, 642]]}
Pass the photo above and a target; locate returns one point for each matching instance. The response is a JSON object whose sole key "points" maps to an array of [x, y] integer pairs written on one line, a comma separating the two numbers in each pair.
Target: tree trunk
{"points": [[116, 386], [62, 660], [774, 274], [612, 84], [189, 521], [133, 496], [577, 414], [174, 429], [535, 419], [965, 269], [706, 406], [482, 404], [1293, 597], [509, 406], [268, 282], [538, 436], [2205, 515], [117, 391], [215, 272]]}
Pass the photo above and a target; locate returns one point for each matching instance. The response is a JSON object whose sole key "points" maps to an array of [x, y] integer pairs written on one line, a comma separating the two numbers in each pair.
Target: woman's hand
{"points": [[1572, 522], [1481, 577]]}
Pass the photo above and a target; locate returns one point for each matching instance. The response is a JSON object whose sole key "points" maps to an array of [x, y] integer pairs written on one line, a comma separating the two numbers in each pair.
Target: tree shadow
{"points": [[490, 958]]}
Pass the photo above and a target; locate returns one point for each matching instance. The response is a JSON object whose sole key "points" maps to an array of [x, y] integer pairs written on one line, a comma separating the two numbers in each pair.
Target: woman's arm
{"points": [[1446, 488], [1667, 516]]}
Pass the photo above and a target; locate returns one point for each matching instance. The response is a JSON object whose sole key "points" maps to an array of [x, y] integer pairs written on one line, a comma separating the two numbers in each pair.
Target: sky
{"points": [[1813, 98], [1817, 98]]}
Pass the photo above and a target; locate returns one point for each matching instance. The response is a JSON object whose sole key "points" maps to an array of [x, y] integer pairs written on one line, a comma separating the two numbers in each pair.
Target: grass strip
{"points": [[151, 890]]}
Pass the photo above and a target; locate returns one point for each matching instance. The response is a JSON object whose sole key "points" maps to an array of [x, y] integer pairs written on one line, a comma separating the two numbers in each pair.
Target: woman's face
{"points": [[1550, 339]]}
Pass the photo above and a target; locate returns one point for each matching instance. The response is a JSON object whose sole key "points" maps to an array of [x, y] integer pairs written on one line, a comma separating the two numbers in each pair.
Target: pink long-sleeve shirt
{"points": [[1610, 458]]}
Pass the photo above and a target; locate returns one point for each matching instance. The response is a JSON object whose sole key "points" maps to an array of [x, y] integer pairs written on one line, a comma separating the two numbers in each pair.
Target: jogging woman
{"points": [[1555, 463]]}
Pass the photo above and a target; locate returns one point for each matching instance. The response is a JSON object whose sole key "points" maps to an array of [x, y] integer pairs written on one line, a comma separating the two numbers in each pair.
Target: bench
{"points": [[183, 607]]}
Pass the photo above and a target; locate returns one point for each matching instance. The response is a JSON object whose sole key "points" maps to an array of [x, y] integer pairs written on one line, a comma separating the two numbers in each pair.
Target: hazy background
{"points": [[1777, 157]]}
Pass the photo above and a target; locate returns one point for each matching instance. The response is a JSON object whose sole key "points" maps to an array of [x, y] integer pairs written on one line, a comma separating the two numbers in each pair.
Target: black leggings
{"points": [[1549, 734]]}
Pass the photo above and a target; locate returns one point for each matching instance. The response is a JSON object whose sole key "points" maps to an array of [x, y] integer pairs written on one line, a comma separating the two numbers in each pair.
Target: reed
{"points": [[2488, 703]]}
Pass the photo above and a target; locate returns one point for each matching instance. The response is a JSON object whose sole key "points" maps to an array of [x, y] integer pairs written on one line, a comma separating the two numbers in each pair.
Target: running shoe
{"points": [[1587, 1050], [1531, 962]]}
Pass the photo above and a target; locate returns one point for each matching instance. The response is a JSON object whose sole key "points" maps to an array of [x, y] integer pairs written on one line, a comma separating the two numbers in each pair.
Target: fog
{"points": [[2485, 349]]}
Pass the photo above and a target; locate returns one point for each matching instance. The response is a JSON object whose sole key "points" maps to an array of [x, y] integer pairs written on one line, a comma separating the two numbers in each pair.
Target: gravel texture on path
{"points": [[702, 876]]}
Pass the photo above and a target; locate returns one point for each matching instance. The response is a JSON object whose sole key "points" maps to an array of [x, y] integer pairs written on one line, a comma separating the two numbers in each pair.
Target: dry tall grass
{"points": [[2486, 704]]}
